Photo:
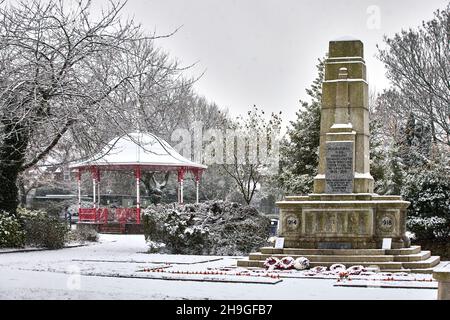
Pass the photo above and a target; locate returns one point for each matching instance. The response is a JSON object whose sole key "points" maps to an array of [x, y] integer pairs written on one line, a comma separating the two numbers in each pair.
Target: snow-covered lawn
{"points": [[112, 269]]}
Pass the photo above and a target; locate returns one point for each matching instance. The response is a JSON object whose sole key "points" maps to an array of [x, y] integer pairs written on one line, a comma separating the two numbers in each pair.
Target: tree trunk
{"points": [[12, 156], [22, 192], [148, 178]]}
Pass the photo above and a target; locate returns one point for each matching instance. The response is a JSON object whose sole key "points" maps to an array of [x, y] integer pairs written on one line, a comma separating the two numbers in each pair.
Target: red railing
{"points": [[122, 215], [102, 215], [93, 215], [125, 215]]}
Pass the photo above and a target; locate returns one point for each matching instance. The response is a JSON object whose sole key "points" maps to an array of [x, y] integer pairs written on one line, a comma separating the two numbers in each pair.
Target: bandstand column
{"points": [[79, 189], [137, 173], [98, 187], [180, 182], [197, 185], [196, 191], [94, 188]]}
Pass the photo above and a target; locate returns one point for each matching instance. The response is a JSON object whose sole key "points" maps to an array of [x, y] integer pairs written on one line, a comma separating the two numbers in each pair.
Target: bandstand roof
{"points": [[139, 149]]}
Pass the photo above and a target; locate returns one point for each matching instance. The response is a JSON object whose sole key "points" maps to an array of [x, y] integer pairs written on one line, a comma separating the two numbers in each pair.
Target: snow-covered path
{"points": [[56, 275]]}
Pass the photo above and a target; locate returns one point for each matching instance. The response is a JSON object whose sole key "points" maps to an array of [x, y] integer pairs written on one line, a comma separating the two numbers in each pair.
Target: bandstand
{"points": [[136, 152]]}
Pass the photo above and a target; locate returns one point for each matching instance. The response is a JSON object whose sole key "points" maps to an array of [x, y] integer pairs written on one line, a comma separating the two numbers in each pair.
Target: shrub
{"points": [[429, 228], [429, 193], [155, 247], [428, 190], [84, 234], [214, 227], [57, 209], [171, 228], [42, 230], [11, 234]]}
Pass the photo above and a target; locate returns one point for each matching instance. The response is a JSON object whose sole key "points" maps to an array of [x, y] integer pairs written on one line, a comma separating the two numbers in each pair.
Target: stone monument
{"points": [[343, 212], [344, 221]]}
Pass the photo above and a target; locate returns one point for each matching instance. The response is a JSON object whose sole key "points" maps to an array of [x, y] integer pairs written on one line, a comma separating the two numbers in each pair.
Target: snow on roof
{"points": [[139, 148], [346, 38]]}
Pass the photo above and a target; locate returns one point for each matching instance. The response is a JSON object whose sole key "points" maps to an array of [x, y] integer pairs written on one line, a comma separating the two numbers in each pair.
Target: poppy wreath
{"points": [[355, 270], [271, 262], [286, 263], [301, 263], [338, 267], [319, 269]]}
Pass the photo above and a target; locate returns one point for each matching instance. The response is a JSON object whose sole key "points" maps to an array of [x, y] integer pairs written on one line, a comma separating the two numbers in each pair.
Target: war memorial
{"points": [[343, 220]]}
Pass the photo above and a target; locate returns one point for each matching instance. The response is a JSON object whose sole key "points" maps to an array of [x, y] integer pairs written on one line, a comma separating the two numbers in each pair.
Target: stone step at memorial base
{"points": [[431, 262], [363, 252], [348, 258], [424, 270], [394, 260]]}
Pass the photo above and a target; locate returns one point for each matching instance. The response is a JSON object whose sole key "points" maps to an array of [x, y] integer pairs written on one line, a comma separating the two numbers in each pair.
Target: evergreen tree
{"points": [[414, 143], [428, 189], [378, 156], [299, 156], [395, 172]]}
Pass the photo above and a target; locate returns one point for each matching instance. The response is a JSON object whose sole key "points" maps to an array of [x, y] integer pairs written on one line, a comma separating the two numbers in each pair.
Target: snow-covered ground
{"points": [[111, 268]]}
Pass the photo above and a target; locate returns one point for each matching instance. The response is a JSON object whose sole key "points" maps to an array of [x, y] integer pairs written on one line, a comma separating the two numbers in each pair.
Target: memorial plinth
{"points": [[343, 212]]}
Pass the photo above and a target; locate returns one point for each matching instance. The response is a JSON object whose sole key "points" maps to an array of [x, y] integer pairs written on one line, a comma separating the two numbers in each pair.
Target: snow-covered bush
{"points": [[56, 209], [175, 227], [214, 227], [42, 230], [155, 247], [83, 234], [11, 234], [428, 190], [429, 228]]}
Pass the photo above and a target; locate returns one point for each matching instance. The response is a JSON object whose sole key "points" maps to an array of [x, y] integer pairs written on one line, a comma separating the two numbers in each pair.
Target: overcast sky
{"points": [[264, 52]]}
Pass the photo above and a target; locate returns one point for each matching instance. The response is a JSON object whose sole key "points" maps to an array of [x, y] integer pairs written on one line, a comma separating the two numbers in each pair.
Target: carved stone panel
{"points": [[338, 222]]}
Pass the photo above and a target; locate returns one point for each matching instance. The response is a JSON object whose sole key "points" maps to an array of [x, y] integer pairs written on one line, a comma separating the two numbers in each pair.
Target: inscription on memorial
{"points": [[292, 223], [339, 167], [386, 223]]}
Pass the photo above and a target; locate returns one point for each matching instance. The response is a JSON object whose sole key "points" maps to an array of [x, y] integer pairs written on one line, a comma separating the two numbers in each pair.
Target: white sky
{"points": [[264, 52]]}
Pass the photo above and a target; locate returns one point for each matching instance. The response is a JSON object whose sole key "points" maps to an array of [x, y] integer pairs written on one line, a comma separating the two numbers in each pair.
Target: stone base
{"points": [[411, 259], [347, 221]]}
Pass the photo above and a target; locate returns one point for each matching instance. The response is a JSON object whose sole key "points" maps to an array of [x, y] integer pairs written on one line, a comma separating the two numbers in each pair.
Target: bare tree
{"points": [[418, 64], [60, 71], [247, 151]]}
